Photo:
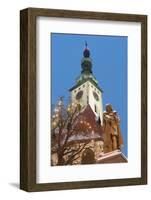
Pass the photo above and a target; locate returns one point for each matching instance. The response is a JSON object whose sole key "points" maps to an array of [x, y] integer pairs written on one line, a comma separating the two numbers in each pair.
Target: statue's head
{"points": [[109, 108]]}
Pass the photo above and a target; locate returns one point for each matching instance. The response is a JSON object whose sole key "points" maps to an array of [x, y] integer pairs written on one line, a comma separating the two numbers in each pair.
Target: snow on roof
{"points": [[111, 154], [85, 137]]}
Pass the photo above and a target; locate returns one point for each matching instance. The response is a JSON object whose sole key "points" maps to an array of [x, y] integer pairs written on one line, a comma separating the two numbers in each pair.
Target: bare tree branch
{"points": [[76, 153], [66, 127]]}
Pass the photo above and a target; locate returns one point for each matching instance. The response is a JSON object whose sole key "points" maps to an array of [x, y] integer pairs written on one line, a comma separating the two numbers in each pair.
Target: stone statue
{"points": [[111, 127]]}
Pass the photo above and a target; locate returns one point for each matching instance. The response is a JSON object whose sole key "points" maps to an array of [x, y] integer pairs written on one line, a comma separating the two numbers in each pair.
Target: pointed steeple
{"points": [[86, 62], [86, 72]]}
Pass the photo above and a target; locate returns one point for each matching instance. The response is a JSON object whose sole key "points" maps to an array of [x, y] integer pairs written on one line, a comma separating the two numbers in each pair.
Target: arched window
{"points": [[95, 108]]}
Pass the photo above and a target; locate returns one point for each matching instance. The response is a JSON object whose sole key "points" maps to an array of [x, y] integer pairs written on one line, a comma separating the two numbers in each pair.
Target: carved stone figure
{"points": [[111, 126]]}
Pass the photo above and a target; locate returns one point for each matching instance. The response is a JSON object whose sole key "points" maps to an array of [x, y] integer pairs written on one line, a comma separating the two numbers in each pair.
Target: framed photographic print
{"points": [[83, 99]]}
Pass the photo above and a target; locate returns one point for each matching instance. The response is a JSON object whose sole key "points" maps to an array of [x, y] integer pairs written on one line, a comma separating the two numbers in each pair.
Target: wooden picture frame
{"points": [[28, 98]]}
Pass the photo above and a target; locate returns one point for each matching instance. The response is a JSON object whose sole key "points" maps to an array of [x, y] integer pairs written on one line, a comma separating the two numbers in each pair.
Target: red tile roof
{"points": [[87, 117]]}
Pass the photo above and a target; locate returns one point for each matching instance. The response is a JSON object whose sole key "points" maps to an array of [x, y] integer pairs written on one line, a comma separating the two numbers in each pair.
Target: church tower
{"points": [[86, 91]]}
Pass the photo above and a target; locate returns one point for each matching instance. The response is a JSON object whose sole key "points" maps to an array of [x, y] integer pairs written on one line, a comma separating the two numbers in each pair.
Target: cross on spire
{"points": [[86, 44]]}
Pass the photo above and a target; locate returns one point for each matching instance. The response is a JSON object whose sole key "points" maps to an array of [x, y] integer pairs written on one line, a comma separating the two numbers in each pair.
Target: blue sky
{"points": [[109, 58]]}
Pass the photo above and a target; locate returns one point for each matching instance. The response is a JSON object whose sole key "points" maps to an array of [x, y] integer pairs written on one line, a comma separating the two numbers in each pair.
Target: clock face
{"points": [[95, 96], [79, 95]]}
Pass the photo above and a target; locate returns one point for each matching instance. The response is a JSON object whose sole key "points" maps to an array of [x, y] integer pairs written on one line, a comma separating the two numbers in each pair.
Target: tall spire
{"points": [[86, 63], [86, 72]]}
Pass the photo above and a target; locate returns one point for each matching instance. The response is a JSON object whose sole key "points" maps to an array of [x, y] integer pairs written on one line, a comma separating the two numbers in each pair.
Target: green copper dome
{"points": [[86, 72], [86, 65], [86, 62]]}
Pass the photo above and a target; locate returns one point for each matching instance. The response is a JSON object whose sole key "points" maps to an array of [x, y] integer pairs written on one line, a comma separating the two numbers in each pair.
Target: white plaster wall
{"points": [[83, 100], [92, 101], [88, 89]]}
